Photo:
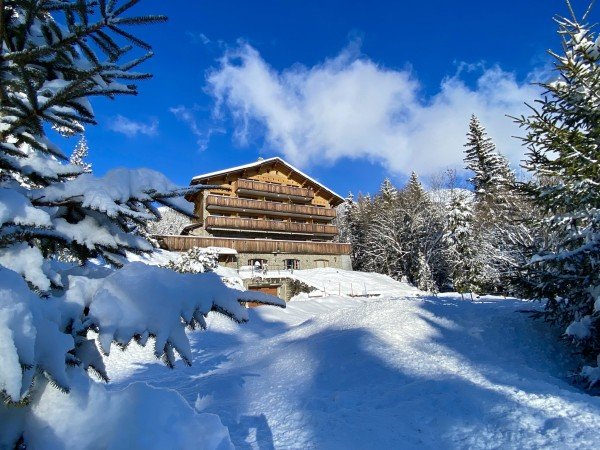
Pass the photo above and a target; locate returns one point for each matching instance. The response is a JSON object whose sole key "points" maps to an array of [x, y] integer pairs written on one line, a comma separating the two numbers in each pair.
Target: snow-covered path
{"points": [[391, 372]]}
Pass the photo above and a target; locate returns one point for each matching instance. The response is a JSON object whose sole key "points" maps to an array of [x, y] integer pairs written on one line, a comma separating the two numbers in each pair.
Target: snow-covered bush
{"points": [[54, 56], [297, 287], [195, 260]]}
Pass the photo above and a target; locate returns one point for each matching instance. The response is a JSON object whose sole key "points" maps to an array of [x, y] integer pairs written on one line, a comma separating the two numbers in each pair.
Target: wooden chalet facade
{"points": [[270, 213]]}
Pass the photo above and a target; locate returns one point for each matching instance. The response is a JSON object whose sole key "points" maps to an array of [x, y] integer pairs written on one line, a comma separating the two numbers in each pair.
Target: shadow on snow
{"points": [[333, 390]]}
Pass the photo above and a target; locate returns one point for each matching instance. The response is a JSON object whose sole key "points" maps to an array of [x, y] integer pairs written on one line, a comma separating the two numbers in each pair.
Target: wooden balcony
{"points": [[268, 226], [272, 190], [184, 243], [245, 205]]}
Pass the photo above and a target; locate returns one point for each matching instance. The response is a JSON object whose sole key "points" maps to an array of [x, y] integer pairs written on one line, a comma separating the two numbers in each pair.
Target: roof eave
{"points": [[199, 178]]}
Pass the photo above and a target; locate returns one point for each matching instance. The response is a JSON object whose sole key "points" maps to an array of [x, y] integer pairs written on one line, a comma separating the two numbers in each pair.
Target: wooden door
{"points": [[271, 290]]}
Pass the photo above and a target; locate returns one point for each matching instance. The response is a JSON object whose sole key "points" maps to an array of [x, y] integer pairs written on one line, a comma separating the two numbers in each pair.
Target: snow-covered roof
{"points": [[260, 162]]}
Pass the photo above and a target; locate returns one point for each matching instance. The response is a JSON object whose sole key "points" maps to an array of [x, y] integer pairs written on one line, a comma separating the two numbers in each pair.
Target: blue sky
{"points": [[351, 92]]}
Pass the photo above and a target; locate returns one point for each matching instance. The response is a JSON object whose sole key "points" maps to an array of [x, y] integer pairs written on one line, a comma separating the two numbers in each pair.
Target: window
{"points": [[321, 262], [227, 259], [291, 264], [257, 263]]}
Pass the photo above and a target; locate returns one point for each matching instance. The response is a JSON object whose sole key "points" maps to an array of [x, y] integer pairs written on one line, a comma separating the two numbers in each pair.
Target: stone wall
{"points": [[285, 288], [276, 262]]}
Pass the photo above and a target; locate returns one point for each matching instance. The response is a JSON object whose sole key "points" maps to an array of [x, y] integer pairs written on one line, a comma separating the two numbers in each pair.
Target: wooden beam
{"points": [[184, 243]]}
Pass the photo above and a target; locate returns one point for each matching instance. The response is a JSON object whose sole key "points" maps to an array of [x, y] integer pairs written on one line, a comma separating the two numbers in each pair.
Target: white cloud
{"points": [[132, 128], [198, 38], [186, 115], [351, 107]]}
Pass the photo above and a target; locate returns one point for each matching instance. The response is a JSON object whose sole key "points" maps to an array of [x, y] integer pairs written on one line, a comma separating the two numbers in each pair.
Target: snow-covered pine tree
{"points": [[54, 55], [79, 155], [414, 190], [499, 211], [359, 219], [461, 244], [424, 278], [388, 192], [170, 223], [423, 231], [493, 180], [490, 170], [399, 233], [562, 139], [386, 246], [342, 220]]}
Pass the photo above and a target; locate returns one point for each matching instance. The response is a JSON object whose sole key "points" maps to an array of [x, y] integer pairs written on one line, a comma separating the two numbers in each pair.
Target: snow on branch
{"points": [[137, 301]]}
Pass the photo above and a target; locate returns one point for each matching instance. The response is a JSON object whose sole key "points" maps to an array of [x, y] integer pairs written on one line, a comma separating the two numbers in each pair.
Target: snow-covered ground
{"points": [[330, 281], [396, 371]]}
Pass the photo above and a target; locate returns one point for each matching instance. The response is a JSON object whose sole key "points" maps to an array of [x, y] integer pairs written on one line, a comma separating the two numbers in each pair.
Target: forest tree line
{"points": [[447, 238]]}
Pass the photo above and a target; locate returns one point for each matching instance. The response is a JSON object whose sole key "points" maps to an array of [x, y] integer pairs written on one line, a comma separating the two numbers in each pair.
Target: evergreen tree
{"points": [[388, 192], [79, 155], [399, 233], [414, 190], [481, 159], [492, 176], [423, 275], [423, 233], [170, 223], [342, 220], [359, 220], [562, 139], [499, 213], [387, 247], [462, 245]]}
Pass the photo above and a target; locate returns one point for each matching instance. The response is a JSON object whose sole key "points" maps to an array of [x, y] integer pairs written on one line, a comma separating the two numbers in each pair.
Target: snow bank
{"points": [[136, 417], [330, 281]]}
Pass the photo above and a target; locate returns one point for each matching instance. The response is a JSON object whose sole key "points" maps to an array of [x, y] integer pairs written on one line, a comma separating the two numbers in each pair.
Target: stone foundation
{"points": [[277, 261]]}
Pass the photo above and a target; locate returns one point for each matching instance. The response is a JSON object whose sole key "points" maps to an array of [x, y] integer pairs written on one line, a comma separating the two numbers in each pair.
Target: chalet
{"points": [[272, 214]]}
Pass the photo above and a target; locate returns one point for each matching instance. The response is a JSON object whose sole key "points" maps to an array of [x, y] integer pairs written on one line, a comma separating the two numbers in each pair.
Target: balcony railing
{"points": [[270, 226], [222, 203], [252, 187], [184, 243]]}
